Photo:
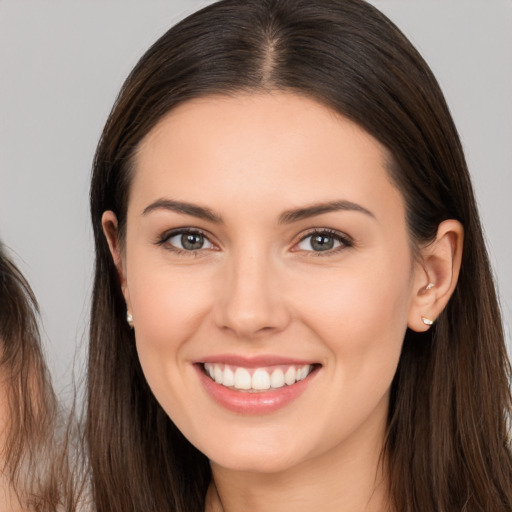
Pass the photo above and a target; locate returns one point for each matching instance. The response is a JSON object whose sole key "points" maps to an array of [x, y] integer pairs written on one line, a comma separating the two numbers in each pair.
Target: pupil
{"points": [[192, 241], [322, 243]]}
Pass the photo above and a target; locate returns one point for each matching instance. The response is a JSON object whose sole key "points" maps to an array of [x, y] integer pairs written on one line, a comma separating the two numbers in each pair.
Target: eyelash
{"points": [[344, 241], [163, 241]]}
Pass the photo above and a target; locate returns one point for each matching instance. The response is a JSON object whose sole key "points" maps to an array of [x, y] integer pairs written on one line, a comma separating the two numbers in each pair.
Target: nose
{"points": [[251, 302]]}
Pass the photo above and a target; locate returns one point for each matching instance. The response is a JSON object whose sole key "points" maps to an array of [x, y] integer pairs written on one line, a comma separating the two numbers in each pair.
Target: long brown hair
{"points": [[29, 457], [447, 444]]}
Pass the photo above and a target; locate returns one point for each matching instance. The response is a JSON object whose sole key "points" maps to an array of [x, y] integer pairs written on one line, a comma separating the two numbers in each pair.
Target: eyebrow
{"points": [[295, 215], [182, 207], [287, 217]]}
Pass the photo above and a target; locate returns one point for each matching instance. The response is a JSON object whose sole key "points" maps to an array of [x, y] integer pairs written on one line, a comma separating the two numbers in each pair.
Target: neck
{"points": [[350, 477]]}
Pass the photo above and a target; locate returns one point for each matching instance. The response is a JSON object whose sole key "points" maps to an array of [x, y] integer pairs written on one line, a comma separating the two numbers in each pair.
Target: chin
{"points": [[264, 463], [255, 456]]}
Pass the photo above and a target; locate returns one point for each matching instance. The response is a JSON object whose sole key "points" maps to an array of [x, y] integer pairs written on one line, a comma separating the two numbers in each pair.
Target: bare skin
{"points": [[296, 246]]}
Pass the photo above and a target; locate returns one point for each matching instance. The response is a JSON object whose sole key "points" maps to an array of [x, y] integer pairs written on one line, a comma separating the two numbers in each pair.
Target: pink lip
{"points": [[253, 362], [262, 402]]}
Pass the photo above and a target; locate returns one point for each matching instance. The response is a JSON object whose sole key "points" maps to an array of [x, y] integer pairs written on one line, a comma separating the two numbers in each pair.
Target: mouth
{"points": [[259, 379], [255, 385]]}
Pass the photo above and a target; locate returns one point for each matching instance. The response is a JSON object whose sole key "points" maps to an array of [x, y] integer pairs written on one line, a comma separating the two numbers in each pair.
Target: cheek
{"points": [[360, 313], [362, 322], [166, 304], [167, 309], [362, 298]]}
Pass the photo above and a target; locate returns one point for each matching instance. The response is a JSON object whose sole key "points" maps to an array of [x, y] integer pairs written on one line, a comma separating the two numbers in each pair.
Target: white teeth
{"points": [[289, 376], [229, 377], [302, 373], [261, 378], [218, 375], [277, 378], [242, 379]]}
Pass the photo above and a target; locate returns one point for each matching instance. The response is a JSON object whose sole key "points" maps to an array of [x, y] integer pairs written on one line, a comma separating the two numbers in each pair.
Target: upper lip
{"points": [[253, 361]]}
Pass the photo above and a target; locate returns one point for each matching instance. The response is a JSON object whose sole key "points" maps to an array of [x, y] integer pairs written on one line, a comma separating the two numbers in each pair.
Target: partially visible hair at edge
{"points": [[447, 445], [31, 458]]}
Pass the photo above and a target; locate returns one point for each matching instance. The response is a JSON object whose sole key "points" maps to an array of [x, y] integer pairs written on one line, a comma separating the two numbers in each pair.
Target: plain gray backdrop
{"points": [[62, 63]]}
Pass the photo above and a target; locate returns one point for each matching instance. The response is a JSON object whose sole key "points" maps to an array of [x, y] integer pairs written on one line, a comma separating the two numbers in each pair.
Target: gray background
{"points": [[62, 63]]}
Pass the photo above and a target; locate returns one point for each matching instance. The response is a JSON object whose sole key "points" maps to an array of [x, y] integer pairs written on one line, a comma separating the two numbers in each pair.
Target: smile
{"points": [[257, 385], [256, 379]]}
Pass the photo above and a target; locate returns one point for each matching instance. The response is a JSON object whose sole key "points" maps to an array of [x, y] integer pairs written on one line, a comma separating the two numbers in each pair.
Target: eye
{"points": [[186, 240], [323, 241]]}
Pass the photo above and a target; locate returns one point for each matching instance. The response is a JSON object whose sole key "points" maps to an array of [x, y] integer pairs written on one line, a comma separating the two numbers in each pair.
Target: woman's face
{"points": [[267, 246]]}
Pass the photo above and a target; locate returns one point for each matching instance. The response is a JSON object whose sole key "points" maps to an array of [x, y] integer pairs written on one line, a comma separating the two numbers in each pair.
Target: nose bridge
{"points": [[251, 302]]}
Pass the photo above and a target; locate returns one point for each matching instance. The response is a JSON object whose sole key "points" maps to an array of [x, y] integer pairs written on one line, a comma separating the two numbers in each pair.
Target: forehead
{"points": [[240, 149]]}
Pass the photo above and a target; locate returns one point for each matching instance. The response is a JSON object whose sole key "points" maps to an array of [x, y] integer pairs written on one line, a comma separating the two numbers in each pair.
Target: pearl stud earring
{"points": [[129, 318]]}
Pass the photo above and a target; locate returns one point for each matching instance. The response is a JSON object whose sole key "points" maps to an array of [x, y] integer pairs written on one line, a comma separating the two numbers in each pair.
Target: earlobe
{"points": [[436, 275]]}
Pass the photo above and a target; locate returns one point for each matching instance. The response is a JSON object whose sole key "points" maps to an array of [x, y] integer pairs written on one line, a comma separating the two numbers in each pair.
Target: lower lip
{"points": [[261, 402]]}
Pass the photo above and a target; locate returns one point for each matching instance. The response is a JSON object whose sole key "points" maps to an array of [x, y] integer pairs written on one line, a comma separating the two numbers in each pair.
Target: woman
{"points": [[29, 479], [293, 306]]}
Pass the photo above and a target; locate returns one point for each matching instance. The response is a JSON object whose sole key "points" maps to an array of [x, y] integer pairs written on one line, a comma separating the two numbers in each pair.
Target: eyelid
{"points": [[163, 239], [345, 241]]}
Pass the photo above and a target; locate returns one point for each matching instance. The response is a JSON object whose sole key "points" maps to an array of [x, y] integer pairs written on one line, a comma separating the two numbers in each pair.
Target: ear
{"points": [[110, 225], [436, 275]]}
